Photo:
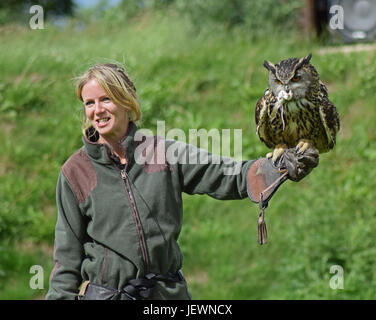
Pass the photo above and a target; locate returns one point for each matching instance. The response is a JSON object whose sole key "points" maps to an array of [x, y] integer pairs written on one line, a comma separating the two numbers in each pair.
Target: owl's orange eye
{"points": [[277, 81], [295, 79]]}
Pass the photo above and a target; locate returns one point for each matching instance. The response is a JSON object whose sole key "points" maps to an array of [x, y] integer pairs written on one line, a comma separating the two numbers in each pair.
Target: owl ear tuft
{"points": [[270, 66], [303, 61], [307, 59]]}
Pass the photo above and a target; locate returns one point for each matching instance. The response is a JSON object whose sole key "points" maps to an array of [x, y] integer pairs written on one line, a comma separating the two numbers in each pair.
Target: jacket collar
{"points": [[103, 153]]}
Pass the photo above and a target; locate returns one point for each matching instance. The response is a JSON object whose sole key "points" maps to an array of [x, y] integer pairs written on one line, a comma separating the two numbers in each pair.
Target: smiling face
{"points": [[110, 120]]}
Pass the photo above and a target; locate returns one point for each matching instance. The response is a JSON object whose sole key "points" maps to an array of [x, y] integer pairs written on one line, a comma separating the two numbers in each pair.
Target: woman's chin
{"points": [[104, 132]]}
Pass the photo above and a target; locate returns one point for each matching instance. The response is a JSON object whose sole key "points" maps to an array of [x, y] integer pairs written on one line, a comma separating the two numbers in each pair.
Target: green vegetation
{"points": [[190, 80]]}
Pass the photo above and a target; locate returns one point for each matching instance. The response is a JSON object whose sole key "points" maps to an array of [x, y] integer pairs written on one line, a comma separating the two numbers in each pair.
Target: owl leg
{"points": [[303, 145], [277, 152]]}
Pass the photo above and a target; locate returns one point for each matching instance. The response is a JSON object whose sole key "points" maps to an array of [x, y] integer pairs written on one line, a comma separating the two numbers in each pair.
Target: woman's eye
{"points": [[107, 99], [88, 103], [295, 79], [277, 81]]}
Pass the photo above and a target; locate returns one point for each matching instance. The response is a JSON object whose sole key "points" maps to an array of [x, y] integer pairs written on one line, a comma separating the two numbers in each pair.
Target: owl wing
{"points": [[261, 118], [329, 116], [259, 111]]}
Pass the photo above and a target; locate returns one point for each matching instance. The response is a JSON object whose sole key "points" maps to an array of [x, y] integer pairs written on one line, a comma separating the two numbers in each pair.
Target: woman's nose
{"points": [[99, 107]]}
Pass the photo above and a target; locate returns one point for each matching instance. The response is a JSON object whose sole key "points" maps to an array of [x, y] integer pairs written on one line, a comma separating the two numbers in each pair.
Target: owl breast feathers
{"points": [[295, 108]]}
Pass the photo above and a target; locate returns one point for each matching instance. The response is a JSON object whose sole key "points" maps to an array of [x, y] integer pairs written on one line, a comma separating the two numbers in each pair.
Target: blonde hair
{"points": [[117, 84]]}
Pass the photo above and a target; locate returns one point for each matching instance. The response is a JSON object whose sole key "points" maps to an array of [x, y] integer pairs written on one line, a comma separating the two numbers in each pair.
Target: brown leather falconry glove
{"points": [[265, 177]]}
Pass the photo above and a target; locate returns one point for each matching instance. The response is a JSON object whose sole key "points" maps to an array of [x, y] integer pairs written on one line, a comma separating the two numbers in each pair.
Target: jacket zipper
{"points": [[136, 217]]}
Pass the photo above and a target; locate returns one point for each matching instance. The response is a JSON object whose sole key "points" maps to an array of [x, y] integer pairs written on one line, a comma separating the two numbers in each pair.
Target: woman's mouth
{"points": [[102, 122]]}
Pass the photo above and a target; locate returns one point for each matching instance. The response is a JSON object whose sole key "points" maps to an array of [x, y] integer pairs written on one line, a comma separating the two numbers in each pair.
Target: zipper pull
{"points": [[123, 174]]}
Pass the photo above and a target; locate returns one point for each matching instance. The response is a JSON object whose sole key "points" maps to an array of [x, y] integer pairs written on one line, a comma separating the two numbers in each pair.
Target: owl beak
{"points": [[284, 95], [288, 95]]}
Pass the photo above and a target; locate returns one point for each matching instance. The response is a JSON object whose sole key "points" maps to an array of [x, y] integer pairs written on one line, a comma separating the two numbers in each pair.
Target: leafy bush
{"points": [[258, 17], [22, 96], [18, 11]]}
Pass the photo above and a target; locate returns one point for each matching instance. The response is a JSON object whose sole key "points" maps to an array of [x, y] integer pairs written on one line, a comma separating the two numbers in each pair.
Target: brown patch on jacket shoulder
{"points": [[154, 155], [81, 175], [152, 168]]}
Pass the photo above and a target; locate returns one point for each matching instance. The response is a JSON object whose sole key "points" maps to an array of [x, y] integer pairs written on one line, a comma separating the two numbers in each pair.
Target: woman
{"points": [[118, 218]]}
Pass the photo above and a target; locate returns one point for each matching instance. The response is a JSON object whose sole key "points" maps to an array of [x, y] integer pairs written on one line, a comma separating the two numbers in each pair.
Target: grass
{"points": [[17, 273], [193, 81]]}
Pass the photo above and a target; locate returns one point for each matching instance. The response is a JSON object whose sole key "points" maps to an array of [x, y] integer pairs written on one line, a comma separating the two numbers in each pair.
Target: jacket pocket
{"points": [[94, 264]]}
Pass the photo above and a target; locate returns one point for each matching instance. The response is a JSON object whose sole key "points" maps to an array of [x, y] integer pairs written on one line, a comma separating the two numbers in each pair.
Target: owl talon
{"points": [[302, 146], [277, 152], [298, 150]]}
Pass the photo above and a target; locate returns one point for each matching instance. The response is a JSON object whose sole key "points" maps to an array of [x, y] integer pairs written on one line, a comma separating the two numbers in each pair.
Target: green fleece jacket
{"points": [[115, 224]]}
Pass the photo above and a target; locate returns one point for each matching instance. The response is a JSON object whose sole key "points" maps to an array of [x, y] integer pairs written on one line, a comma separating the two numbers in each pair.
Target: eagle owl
{"points": [[295, 110]]}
